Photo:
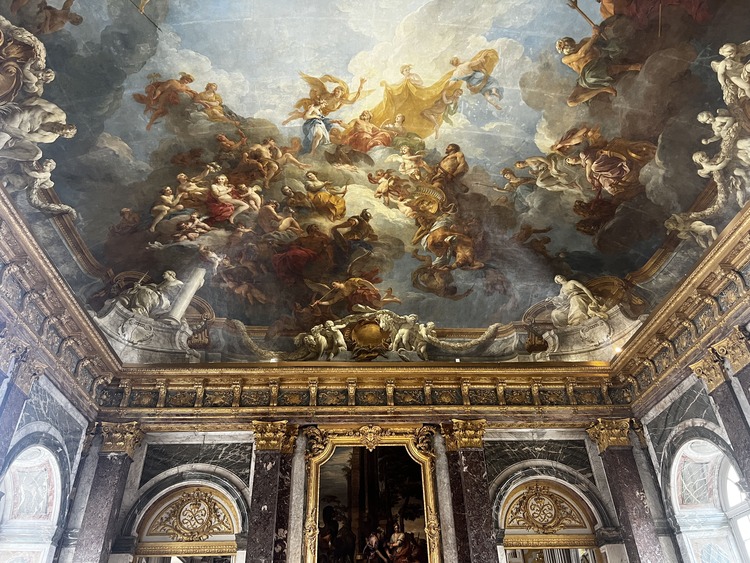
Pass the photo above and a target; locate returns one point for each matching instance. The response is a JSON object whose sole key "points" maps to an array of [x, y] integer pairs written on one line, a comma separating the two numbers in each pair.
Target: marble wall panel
{"points": [[234, 457], [694, 403], [501, 455], [44, 407]]}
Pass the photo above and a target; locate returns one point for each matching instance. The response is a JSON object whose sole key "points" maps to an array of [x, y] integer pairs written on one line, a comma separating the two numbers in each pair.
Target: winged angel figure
{"points": [[339, 96]]}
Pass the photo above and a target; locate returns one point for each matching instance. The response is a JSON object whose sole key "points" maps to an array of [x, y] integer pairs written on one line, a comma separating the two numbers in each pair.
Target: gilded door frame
{"points": [[322, 441]]}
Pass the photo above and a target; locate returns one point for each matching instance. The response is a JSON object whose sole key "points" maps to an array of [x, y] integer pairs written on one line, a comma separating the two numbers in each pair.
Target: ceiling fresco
{"points": [[428, 179]]}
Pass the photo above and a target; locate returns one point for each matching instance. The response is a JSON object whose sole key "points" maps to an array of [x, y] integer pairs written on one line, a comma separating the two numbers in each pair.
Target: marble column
{"points": [[97, 531], [269, 506], [472, 511], [22, 373], [636, 521], [723, 369]]}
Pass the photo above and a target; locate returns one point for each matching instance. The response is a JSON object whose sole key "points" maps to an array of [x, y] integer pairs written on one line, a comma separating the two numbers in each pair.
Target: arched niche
{"points": [[32, 499], [195, 520], [546, 514]]}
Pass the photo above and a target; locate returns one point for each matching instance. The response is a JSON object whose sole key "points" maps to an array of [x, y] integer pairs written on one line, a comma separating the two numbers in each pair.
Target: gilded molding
{"points": [[543, 511], [733, 350], [272, 436], [464, 434], [610, 433], [709, 370], [194, 516], [120, 437]]}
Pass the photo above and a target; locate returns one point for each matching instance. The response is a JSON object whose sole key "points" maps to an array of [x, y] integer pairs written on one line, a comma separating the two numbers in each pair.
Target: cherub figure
{"points": [[410, 163], [721, 123], [703, 233], [732, 72], [425, 332], [333, 100], [334, 339], [191, 229], [707, 165]]}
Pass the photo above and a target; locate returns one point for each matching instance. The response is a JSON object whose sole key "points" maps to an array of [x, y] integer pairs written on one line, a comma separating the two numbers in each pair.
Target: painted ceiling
{"points": [[381, 165]]}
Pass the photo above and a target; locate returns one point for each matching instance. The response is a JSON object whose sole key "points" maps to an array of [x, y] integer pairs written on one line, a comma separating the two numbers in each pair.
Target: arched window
{"points": [[711, 508], [736, 506], [30, 506]]}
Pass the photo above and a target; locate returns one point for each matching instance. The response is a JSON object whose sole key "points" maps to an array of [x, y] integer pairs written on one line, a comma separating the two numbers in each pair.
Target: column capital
{"points": [[709, 370], [120, 437], [733, 350], [610, 433], [464, 434], [276, 436], [27, 373]]}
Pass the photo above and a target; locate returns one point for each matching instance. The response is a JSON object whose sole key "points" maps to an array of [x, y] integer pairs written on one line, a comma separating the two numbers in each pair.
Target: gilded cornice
{"points": [[696, 315], [464, 434], [120, 437], [709, 370], [46, 319], [610, 433]]}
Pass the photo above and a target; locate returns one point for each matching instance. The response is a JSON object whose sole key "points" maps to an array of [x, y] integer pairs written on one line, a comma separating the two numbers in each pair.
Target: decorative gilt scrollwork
{"points": [[370, 436], [464, 434], [610, 432], [423, 439], [120, 437], [734, 350], [194, 516], [317, 440], [542, 511], [709, 370], [270, 436]]}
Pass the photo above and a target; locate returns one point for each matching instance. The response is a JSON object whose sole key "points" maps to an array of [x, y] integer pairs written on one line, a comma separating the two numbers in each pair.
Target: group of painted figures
{"points": [[325, 253]]}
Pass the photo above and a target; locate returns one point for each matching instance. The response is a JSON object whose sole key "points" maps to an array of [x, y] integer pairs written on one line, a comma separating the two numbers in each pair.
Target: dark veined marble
{"points": [[232, 457], [43, 407], [501, 455], [694, 403]]}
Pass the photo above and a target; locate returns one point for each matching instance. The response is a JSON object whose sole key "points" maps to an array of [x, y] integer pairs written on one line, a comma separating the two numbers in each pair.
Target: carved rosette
{"points": [[709, 370], [734, 350], [610, 432], [464, 434], [542, 511], [271, 436], [120, 437], [194, 516]]}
